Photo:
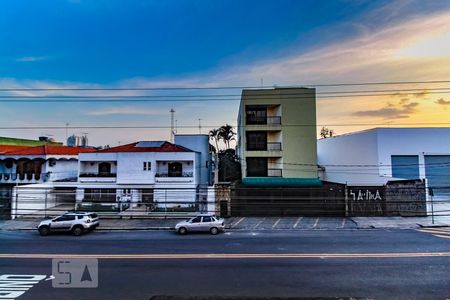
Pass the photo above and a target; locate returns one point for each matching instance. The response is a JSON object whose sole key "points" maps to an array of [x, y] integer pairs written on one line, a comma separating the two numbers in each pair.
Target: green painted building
{"points": [[277, 135], [24, 142]]}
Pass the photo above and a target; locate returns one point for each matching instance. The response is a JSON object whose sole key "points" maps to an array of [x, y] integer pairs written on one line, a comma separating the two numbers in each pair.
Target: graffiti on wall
{"points": [[368, 201]]}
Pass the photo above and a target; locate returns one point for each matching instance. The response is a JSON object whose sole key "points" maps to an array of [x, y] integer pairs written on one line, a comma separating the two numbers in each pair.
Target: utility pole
{"points": [[172, 125], [200, 126]]}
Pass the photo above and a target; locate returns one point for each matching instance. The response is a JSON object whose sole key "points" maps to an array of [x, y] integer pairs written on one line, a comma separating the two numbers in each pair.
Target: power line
{"points": [[210, 126], [226, 87], [424, 90], [108, 99]]}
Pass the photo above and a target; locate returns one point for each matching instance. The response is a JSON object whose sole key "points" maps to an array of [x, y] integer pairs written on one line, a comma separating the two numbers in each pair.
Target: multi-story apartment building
{"points": [[277, 134]]}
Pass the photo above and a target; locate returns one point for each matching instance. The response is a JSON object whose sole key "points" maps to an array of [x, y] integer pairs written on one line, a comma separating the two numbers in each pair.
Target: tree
{"points": [[214, 135], [227, 134], [325, 132]]}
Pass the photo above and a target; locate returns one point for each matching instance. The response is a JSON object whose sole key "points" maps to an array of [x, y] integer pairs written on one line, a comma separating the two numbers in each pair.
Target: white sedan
{"points": [[201, 223]]}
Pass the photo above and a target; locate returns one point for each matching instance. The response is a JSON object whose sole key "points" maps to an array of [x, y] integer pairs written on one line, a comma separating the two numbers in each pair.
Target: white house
{"points": [[375, 156], [23, 167], [152, 175]]}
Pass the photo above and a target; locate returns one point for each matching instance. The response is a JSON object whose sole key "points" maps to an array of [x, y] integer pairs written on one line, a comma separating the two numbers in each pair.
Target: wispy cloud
{"points": [[31, 58], [441, 101], [404, 110], [125, 110]]}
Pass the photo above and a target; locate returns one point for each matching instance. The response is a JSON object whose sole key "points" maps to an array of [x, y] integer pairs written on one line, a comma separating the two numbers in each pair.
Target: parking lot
{"points": [[273, 223]]}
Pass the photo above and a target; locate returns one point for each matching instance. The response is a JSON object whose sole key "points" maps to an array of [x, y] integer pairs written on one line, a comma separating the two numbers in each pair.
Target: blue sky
{"points": [[106, 41], [151, 43]]}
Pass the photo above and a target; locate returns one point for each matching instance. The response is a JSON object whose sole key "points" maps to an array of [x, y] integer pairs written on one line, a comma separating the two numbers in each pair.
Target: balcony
{"points": [[269, 146], [274, 173], [257, 120], [174, 177], [97, 177], [23, 178]]}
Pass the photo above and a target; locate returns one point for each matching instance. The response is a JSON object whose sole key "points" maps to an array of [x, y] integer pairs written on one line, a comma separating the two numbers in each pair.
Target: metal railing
{"points": [[261, 146], [23, 177], [98, 175], [274, 173], [272, 120]]}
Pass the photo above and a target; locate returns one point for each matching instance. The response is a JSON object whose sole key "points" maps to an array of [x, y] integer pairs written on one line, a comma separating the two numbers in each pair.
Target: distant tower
{"points": [[172, 125], [72, 141], [84, 140]]}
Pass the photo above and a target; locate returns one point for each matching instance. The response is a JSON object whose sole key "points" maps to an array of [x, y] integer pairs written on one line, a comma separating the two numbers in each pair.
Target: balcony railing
{"points": [[270, 146], [92, 175], [274, 173], [166, 174], [24, 177], [273, 120]]}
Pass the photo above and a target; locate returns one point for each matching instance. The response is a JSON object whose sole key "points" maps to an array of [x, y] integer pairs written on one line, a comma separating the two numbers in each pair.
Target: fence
{"points": [[406, 198]]}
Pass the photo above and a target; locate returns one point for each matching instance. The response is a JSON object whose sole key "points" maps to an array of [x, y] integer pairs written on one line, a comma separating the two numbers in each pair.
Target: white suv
{"points": [[77, 223]]}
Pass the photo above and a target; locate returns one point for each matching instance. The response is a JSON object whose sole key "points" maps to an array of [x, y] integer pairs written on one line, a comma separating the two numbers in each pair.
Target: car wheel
{"points": [[214, 230], [182, 230], [77, 231], [44, 230]]}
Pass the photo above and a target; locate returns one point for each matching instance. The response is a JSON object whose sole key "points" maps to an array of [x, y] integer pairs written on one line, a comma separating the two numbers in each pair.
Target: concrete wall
{"points": [[198, 143]]}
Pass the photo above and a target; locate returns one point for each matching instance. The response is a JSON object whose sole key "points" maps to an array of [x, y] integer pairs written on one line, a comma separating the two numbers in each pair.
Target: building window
{"points": [[104, 168], [255, 114], [175, 169], [99, 195], [147, 166], [257, 167], [256, 140]]}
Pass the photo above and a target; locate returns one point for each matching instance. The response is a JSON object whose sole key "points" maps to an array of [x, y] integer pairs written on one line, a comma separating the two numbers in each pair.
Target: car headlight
{"points": [[88, 221]]}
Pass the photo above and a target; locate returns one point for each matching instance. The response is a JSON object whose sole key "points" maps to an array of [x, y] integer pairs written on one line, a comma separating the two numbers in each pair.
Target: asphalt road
{"points": [[377, 264]]}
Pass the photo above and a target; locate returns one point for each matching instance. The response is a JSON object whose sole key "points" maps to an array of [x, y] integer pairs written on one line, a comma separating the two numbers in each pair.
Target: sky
{"points": [[117, 44]]}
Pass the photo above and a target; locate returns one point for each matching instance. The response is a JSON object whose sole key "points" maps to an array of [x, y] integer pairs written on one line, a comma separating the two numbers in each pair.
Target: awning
{"points": [[281, 182]]}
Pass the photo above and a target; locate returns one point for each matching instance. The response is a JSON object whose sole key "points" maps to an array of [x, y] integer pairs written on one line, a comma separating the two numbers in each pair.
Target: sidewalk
{"points": [[256, 223]]}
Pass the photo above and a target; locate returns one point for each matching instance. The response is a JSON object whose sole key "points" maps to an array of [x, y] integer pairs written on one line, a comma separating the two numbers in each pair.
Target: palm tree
{"points": [[214, 135], [227, 134]]}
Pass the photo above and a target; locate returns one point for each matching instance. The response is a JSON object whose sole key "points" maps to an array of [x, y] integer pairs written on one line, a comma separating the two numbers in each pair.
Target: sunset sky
{"points": [[114, 44]]}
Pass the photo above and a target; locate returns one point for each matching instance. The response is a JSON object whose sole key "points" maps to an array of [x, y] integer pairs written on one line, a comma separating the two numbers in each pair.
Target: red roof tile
{"points": [[48, 150], [165, 147], [8, 148]]}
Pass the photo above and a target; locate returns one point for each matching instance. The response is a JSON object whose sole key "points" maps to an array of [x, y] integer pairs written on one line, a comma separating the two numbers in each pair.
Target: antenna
{"points": [[172, 124], [200, 126], [67, 132]]}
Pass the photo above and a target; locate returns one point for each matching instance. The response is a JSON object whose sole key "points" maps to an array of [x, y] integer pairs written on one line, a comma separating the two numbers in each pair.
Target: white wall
{"points": [[375, 147], [351, 149]]}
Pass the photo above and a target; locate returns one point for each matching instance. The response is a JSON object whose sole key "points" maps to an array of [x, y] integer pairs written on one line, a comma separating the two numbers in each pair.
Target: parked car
{"points": [[77, 223], [201, 223]]}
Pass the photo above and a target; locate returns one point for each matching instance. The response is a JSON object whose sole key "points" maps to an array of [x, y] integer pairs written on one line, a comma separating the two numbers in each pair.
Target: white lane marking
{"points": [[343, 223], [276, 223], [236, 224], [315, 224], [298, 221], [13, 286], [259, 223]]}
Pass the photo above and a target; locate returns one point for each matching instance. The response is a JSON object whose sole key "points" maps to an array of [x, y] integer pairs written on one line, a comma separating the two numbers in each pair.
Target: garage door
{"points": [[437, 171]]}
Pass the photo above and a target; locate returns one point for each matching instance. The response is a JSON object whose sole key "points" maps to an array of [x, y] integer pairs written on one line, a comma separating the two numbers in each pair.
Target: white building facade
{"points": [[375, 156]]}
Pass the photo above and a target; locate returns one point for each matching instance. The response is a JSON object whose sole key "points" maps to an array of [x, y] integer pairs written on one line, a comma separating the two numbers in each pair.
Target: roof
{"points": [[48, 150], [281, 182], [147, 146], [26, 142], [8, 148], [376, 129]]}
